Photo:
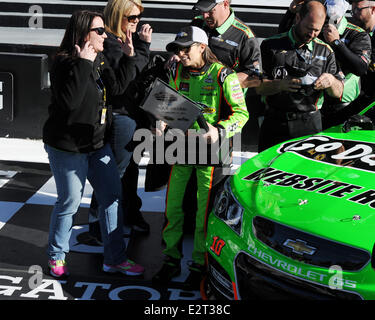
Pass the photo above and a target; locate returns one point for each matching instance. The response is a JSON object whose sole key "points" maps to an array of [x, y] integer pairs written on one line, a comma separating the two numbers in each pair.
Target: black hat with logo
{"points": [[206, 5]]}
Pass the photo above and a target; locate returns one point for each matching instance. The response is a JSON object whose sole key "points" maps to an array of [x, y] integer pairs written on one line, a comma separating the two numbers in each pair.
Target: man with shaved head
{"points": [[352, 47], [299, 69]]}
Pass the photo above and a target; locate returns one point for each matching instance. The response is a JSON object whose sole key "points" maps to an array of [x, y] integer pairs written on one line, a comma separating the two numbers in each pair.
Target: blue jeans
{"points": [[122, 131], [70, 171]]}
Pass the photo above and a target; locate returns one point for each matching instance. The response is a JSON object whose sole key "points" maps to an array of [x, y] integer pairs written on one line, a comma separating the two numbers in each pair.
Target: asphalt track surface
{"points": [[27, 196], [26, 201]]}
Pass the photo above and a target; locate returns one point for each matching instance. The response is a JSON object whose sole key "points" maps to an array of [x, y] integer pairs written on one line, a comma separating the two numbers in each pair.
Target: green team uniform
{"points": [[219, 89]]}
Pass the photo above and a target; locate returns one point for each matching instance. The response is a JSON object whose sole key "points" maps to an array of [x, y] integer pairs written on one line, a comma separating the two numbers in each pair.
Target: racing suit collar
{"points": [[225, 26], [342, 26], [198, 72], [292, 38]]}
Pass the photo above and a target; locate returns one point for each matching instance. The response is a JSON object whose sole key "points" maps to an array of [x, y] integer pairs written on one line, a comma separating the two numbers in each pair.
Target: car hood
{"points": [[322, 184]]}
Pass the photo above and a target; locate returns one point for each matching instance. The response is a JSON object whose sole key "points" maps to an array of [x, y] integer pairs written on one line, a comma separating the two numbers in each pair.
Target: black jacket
{"points": [[368, 80], [282, 57], [75, 112], [114, 54]]}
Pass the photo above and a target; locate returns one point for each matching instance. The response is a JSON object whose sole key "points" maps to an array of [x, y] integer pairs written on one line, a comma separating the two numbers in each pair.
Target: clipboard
{"points": [[167, 104]]}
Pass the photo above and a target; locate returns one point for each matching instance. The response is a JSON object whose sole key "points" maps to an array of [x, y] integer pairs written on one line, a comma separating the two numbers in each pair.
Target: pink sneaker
{"points": [[58, 268], [128, 267]]}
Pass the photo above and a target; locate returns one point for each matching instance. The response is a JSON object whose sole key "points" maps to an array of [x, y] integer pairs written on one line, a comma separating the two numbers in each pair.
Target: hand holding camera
{"points": [[324, 81]]}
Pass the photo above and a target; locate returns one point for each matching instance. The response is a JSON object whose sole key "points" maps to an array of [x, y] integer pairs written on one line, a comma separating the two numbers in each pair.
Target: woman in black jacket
{"points": [[123, 42], [75, 137]]}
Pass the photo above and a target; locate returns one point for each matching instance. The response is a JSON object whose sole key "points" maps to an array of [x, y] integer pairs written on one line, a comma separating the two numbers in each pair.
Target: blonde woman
{"points": [[121, 19]]}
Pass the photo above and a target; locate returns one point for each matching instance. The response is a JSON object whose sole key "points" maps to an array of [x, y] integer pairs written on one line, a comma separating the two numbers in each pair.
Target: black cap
{"points": [[206, 5], [187, 36]]}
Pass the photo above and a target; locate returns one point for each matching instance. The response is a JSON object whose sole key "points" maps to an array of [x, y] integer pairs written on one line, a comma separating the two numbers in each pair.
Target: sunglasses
{"points": [[99, 30], [185, 50], [133, 18], [354, 11]]}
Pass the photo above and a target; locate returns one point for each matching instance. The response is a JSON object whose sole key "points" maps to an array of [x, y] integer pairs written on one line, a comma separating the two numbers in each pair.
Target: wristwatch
{"points": [[336, 42]]}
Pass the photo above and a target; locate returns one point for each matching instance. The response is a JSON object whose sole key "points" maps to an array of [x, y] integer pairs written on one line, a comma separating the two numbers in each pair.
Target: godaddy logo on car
{"points": [[339, 152]]}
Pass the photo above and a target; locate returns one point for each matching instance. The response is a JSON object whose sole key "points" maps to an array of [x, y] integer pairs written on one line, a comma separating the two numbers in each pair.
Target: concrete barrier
{"points": [[25, 102]]}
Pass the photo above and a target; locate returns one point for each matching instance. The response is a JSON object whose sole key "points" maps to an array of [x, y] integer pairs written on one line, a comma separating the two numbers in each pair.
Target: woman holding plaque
{"points": [[202, 78]]}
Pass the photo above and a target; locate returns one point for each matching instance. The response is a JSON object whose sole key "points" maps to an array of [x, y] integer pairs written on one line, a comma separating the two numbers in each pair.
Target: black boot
{"points": [[171, 268], [138, 223], [95, 234], [132, 203], [197, 273]]}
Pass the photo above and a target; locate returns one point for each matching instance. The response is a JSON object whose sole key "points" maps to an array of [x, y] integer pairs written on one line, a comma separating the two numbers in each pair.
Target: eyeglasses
{"points": [[133, 18], [99, 30], [354, 11], [184, 50]]}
